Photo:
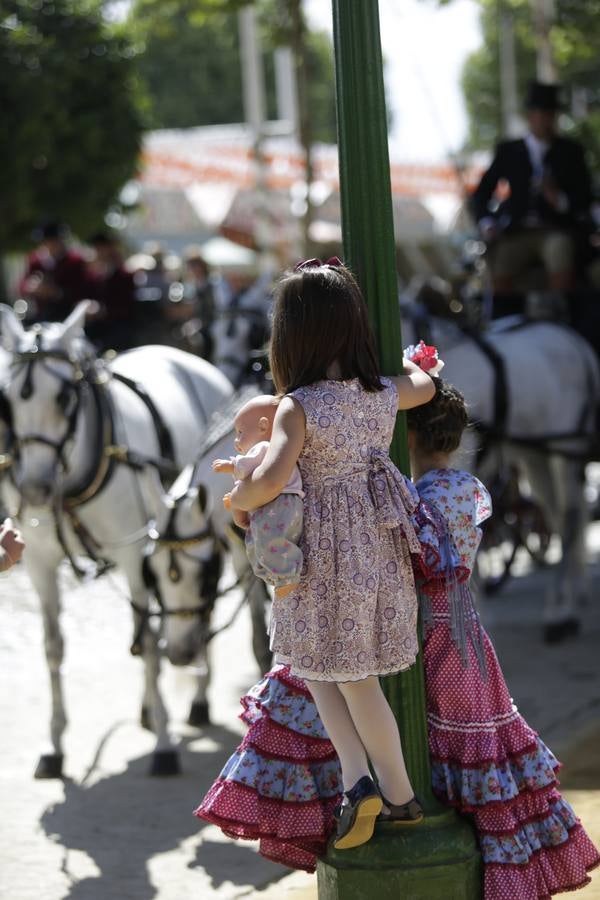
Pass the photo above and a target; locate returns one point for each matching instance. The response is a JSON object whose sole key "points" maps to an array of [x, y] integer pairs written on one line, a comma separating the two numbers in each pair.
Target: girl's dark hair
{"points": [[320, 318], [439, 424]]}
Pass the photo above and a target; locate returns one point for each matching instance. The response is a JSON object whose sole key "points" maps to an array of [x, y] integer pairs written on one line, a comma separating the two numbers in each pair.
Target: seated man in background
{"points": [[547, 208]]}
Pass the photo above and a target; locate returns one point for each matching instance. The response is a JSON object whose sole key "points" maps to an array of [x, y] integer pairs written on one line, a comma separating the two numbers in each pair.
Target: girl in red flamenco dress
{"points": [[282, 784]]}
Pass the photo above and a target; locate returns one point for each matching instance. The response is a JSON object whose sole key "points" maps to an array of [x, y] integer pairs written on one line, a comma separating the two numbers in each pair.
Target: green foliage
{"points": [[575, 38], [189, 64], [70, 130], [190, 69]]}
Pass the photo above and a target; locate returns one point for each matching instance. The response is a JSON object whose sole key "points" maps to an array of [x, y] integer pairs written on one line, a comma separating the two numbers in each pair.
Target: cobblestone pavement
{"points": [[109, 832]]}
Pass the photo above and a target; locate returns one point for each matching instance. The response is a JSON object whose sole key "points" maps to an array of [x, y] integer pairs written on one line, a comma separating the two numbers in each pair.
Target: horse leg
{"points": [[165, 758], [258, 597], [45, 582], [199, 715], [573, 581], [557, 484]]}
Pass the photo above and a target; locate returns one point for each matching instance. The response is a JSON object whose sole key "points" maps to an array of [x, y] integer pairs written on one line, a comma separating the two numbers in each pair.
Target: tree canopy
{"points": [[575, 38], [189, 64], [71, 128]]}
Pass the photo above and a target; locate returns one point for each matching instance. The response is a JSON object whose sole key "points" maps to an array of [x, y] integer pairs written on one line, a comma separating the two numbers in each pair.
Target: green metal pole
{"points": [[439, 859]]}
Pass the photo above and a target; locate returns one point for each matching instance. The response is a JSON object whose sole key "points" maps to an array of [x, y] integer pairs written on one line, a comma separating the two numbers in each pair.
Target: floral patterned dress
{"points": [[486, 760], [354, 613], [283, 782]]}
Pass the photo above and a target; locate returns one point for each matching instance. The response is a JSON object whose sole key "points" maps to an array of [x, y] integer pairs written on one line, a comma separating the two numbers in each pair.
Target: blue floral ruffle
{"points": [[284, 706], [518, 848], [290, 782], [493, 781]]}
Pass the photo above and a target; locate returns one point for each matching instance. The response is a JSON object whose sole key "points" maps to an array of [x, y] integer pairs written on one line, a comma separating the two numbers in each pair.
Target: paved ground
{"points": [[109, 832]]}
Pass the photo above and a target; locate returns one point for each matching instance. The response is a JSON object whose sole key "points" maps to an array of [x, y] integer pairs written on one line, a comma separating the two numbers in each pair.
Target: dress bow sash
{"points": [[394, 497]]}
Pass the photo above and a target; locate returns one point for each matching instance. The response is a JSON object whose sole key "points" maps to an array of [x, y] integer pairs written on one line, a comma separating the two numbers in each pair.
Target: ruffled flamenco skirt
{"points": [[488, 762], [282, 784]]}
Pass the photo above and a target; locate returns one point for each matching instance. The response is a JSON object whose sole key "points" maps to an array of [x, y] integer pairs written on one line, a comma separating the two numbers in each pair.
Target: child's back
{"points": [[354, 612], [344, 423]]}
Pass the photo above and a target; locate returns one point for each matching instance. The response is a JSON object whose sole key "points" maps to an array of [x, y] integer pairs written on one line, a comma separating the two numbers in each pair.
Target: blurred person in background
{"points": [[55, 277], [196, 310], [112, 324], [241, 327], [546, 213], [152, 293]]}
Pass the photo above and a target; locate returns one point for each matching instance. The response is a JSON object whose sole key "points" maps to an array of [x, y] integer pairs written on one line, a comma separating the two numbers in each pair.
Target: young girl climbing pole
{"points": [[353, 615], [283, 782]]}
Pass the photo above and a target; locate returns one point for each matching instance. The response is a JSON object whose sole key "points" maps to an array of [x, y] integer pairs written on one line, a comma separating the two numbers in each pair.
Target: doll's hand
{"points": [[227, 500], [11, 543], [241, 518], [222, 465]]}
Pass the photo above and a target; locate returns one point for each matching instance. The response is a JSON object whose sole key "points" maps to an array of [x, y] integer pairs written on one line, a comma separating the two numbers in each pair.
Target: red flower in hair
{"points": [[424, 357]]}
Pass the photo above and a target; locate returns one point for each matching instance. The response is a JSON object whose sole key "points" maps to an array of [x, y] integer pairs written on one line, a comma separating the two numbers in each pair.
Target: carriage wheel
{"points": [[534, 532], [520, 524], [500, 543]]}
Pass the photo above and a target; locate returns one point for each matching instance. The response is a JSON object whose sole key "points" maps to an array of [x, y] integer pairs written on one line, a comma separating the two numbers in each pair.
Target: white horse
{"points": [[88, 439], [535, 388], [193, 530]]}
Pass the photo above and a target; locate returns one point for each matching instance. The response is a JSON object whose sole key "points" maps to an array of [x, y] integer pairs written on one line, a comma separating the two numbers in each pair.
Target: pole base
{"points": [[436, 860]]}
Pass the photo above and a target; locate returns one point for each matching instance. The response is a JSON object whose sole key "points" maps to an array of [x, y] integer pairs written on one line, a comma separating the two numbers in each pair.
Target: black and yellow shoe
{"points": [[357, 815], [410, 813]]}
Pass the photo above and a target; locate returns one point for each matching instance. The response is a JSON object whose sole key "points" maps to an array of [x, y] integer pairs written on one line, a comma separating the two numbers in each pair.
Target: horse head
{"points": [[42, 394], [184, 567]]}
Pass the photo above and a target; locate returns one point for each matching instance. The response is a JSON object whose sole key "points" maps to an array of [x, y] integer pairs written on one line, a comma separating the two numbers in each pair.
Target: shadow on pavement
{"points": [[230, 862], [122, 821], [582, 762]]}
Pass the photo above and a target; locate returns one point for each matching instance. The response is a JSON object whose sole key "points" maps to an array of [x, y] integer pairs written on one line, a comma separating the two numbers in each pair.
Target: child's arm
{"points": [[271, 476], [222, 465], [414, 387]]}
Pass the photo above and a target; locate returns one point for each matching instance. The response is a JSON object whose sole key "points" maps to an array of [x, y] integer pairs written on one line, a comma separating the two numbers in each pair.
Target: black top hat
{"points": [[544, 96]]}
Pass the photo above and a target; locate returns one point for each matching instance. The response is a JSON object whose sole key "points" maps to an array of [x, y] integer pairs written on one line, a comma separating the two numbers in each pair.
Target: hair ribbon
{"points": [[333, 261]]}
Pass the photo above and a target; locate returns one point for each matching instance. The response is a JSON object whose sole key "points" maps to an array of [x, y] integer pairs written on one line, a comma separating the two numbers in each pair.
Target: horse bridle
{"points": [[174, 543], [81, 376], [208, 586]]}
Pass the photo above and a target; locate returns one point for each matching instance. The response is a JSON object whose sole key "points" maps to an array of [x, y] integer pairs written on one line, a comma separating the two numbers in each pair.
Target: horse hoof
{"points": [[199, 715], [49, 766], [164, 763], [145, 719], [559, 631]]}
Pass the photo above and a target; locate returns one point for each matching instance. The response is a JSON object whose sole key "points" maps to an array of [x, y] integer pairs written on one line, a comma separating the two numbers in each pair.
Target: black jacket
{"points": [[564, 161]]}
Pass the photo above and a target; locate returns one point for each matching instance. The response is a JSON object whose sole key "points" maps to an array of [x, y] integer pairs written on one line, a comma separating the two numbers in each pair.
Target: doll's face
{"points": [[250, 428]]}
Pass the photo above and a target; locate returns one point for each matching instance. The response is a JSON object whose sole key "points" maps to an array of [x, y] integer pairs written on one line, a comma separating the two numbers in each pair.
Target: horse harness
{"points": [[496, 431], [92, 376], [171, 541]]}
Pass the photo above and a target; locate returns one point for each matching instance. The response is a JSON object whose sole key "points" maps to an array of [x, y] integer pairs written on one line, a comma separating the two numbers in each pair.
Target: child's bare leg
{"points": [[341, 731], [377, 728]]}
